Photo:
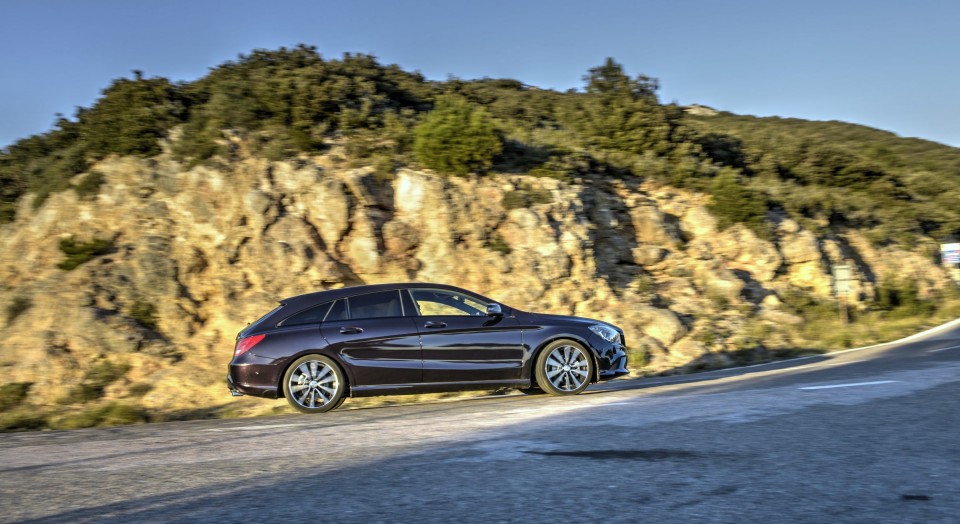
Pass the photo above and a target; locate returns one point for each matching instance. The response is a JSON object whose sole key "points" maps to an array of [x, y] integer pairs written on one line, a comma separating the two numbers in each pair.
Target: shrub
{"points": [[90, 185], [735, 203], [22, 420], [498, 244], [81, 252], [17, 308], [95, 380], [13, 394], [456, 138], [524, 198], [112, 414], [140, 389], [901, 298], [145, 314]]}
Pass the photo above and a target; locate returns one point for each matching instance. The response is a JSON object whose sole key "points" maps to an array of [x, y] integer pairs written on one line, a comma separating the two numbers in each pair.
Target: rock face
{"points": [[196, 254]]}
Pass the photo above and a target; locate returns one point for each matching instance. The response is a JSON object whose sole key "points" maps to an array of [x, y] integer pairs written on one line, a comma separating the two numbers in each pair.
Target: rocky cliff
{"points": [[194, 254]]}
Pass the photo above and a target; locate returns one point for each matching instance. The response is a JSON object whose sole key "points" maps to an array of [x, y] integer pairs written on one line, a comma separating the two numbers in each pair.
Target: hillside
{"points": [[139, 237]]}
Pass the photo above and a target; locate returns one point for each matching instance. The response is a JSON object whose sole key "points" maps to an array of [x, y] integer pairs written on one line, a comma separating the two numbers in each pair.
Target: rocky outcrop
{"points": [[198, 253]]}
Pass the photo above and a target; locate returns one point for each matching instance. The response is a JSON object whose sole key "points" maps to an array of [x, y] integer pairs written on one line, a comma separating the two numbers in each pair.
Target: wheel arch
{"points": [[566, 336], [344, 369]]}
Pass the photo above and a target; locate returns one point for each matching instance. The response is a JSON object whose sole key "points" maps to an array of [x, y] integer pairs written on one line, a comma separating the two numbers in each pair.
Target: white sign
{"points": [[841, 280], [951, 253]]}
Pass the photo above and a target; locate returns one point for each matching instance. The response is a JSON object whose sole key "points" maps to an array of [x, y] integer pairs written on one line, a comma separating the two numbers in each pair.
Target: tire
{"points": [[314, 384], [564, 367]]}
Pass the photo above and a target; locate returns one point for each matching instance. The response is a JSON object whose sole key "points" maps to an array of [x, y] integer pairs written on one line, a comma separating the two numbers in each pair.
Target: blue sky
{"points": [[887, 64]]}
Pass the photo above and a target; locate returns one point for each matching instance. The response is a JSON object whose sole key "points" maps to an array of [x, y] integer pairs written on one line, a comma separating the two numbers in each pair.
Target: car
{"points": [[317, 349]]}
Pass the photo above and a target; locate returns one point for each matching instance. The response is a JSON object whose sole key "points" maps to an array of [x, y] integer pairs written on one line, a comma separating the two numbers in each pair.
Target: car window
{"points": [[251, 327], [313, 315], [337, 312], [439, 302], [376, 305]]}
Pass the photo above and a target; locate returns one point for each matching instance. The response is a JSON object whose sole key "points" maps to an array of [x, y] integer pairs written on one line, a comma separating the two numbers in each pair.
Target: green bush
{"points": [[526, 197], [139, 389], [456, 138], [95, 381], [18, 307], [13, 394], [145, 313], [112, 414], [131, 117], [90, 185], [734, 203], [22, 420], [901, 299], [498, 244], [81, 252]]}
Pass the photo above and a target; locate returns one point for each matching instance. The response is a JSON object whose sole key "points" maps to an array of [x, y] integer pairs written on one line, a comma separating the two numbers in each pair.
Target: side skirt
{"points": [[434, 387]]}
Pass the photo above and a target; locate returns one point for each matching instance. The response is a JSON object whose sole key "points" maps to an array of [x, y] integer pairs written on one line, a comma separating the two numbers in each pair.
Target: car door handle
{"points": [[350, 330], [432, 324]]}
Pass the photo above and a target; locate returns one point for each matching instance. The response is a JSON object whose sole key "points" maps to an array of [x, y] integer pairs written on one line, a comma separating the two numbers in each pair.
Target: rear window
{"points": [[249, 329], [312, 315]]}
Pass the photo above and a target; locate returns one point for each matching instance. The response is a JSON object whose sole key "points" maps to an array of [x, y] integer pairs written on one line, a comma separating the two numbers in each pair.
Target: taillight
{"points": [[246, 344]]}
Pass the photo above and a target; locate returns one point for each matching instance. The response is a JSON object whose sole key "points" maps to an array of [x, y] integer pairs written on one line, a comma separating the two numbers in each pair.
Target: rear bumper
{"points": [[254, 379], [233, 389]]}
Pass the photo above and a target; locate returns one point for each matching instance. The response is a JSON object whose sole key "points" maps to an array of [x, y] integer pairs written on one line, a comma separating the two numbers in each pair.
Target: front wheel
{"points": [[564, 368], [314, 384]]}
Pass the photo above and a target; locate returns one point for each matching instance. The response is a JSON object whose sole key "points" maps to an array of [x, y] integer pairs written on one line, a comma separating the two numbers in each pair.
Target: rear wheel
{"points": [[314, 384], [564, 368]]}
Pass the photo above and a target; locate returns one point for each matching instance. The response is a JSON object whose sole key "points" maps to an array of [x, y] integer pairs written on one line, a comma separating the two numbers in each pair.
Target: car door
{"points": [[374, 338], [461, 343]]}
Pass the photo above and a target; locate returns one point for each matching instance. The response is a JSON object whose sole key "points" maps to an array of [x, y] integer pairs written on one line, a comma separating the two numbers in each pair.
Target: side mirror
{"points": [[494, 310]]}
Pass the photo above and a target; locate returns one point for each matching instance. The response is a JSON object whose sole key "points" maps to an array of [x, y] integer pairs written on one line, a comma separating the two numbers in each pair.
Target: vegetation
{"points": [[145, 314], [287, 102], [90, 185], [78, 252], [526, 197], [13, 394], [95, 381], [18, 307], [497, 244], [456, 138], [110, 414]]}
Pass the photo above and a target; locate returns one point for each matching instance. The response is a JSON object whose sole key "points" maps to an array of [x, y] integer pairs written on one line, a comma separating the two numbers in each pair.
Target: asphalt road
{"points": [[869, 435]]}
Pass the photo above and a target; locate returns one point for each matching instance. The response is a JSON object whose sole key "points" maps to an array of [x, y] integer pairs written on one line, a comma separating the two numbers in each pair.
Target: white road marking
{"points": [[855, 384], [942, 349], [845, 363], [254, 428]]}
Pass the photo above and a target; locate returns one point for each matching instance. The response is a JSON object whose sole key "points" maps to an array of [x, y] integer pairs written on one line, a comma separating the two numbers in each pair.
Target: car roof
{"points": [[320, 297]]}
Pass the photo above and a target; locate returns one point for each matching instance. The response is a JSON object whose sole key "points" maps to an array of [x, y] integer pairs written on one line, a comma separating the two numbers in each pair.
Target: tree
{"points": [[456, 137], [132, 117], [623, 114]]}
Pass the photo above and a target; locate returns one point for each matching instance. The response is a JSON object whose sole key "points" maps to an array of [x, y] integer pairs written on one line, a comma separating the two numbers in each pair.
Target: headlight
{"points": [[606, 332]]}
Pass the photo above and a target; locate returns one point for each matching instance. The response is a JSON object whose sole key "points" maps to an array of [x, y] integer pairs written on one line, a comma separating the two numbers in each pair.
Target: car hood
{"points": [[569, 319]]}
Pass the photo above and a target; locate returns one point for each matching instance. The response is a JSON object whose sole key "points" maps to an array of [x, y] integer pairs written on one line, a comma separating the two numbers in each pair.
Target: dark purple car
{"points": [[388, 339]]}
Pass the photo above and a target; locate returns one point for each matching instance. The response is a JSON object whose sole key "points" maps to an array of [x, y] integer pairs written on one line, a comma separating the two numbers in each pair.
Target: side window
{"points": [[376, 305], [337, 312], [312, 315], [438, 302]]}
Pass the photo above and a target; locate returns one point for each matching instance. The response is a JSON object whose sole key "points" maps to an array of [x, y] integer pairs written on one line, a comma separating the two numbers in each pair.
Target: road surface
{"points": [[870, 435]]}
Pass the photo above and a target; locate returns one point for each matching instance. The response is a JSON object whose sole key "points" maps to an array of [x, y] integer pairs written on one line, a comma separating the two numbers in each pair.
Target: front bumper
{"points": [[612, 361]]}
